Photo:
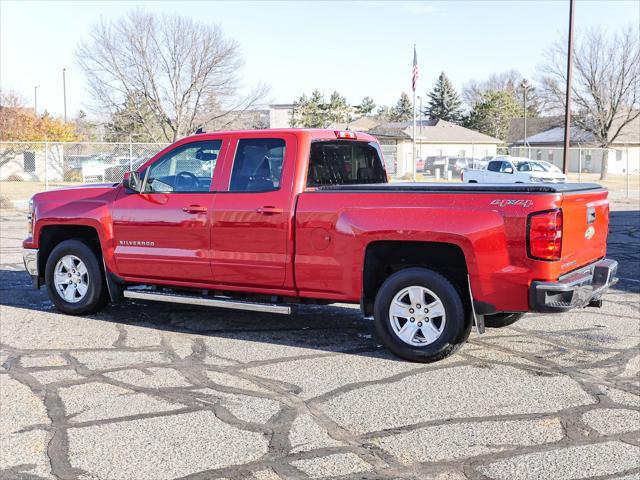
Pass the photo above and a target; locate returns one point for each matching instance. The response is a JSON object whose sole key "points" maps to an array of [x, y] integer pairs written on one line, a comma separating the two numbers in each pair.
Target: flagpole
{"points": [[414, 136], [414, 113]]}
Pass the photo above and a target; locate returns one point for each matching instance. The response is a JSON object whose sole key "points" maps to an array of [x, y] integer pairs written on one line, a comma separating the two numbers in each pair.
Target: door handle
{"points": [[194, 209], [269, 210]]}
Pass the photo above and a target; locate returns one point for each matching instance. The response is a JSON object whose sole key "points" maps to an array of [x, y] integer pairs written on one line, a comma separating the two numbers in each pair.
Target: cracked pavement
{"points": [[157, 391]]}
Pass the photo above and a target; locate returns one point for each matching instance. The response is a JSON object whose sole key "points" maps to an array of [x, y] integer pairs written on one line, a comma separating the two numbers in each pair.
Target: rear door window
{"points": [[345, 162], [257, 166]]}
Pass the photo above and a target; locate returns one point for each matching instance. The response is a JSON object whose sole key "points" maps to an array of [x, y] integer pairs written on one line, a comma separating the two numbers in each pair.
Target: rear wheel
{"points": [[419, 315], [500, 320], [75, 280]]}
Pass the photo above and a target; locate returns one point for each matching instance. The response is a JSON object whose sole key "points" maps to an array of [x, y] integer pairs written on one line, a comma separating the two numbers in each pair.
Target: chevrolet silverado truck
{"points": [[265, 220]]}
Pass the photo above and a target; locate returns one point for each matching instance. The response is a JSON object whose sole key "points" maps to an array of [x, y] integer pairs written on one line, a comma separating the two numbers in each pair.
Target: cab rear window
{"points": [[345, 162]]}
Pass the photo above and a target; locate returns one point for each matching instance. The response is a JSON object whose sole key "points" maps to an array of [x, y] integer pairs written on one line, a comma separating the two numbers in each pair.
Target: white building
{"points": [[584, 154], [280, 115], [434, 138]]}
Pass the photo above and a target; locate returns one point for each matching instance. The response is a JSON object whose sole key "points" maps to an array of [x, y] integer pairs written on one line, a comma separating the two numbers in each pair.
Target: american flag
{"points": [[414, 80]]}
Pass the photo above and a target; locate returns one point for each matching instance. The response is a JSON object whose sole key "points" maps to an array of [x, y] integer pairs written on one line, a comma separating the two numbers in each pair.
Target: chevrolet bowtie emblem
{"points": [[589, 233]]}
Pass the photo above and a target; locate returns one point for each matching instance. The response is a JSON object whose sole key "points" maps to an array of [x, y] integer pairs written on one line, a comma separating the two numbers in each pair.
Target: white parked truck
{"points": [[506, 169]]}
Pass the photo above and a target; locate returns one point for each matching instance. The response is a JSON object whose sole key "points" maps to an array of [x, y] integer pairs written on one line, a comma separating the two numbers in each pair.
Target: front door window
{"points": [[188, 168]]}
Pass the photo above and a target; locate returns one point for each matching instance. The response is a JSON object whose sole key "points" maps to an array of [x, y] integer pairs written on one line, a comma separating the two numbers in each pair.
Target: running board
{"points": [[208, 302]]}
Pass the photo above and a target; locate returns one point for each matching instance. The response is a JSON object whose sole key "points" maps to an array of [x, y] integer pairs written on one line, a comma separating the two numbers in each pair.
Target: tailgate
{"points": [[585, 218]]}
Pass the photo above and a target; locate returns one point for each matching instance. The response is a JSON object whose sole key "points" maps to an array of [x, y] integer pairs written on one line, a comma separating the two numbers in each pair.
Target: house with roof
{"points": [[585, 153], [434, 138]]}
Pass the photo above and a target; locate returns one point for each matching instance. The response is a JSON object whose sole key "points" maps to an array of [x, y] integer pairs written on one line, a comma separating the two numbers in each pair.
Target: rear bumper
{"points": [[576, 289]]}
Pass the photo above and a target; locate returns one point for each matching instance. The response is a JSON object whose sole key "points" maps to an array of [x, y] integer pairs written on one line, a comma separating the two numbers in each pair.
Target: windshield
{"points": [[532, 167], [345, 162], [550, 167]]}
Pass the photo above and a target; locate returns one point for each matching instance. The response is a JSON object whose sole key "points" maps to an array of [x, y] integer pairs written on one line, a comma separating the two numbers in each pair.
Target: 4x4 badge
{"points": [[507, 202]]}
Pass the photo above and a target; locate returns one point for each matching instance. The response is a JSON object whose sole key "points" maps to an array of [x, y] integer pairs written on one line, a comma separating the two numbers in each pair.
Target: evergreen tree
{"points": [[366, 107], [444, 101], [315, 112], [403, 110], [131, 119], [337, 110], [493, 113]]}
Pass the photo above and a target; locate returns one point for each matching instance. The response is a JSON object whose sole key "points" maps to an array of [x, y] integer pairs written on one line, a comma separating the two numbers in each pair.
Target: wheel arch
{"points": [[53, 235], [385, 257]]}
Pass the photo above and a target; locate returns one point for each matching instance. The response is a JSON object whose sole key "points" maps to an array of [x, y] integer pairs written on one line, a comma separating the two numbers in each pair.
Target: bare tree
{"points": [[606, 83], [509, 81], [186, 73]]}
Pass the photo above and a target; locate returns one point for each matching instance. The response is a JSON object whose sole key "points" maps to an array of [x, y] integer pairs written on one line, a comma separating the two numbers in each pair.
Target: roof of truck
{"points": [[315, 133]]}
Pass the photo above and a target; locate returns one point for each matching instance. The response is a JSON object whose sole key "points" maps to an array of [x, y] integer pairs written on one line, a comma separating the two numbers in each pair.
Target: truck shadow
{"points": [[623, 245], [327, 328]]}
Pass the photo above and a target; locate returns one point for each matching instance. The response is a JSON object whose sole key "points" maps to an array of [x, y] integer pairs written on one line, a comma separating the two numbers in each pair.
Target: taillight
{"points": [[544, 236]]}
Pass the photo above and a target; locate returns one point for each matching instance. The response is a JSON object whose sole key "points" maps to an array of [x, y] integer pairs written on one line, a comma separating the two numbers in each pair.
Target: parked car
{"points": [[262, 220], [116, 172], [458, 165], [515, 170], [433, 162]]}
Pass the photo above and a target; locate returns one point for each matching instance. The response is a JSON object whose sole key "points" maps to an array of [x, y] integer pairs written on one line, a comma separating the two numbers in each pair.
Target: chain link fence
{"points": [[585, 164], [30, 167], [58, 162]]}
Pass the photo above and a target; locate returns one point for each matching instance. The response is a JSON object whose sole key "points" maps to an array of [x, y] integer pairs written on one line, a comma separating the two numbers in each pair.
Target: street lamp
{"points": [[525, 85], [35, 99], [420, 117], [64, 92]]}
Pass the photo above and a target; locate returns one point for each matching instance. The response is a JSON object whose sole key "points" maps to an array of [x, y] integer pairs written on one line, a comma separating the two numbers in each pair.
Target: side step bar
{"points": [[208, 302]]}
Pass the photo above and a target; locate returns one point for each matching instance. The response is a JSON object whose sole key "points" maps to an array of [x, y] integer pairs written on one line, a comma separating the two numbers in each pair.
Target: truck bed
{"points": [[466, 187]]}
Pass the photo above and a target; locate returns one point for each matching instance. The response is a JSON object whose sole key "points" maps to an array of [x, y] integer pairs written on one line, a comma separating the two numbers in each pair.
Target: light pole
{"points": [[525, 86], [64, 92], [567, 110], [35, 99], [420, 118]]}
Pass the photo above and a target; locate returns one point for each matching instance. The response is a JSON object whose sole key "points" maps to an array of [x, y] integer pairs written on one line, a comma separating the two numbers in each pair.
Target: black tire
{"points": [[500, 320], [96, 295], [455, 331]]}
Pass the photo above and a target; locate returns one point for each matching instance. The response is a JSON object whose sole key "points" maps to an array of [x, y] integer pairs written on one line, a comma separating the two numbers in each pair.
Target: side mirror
{"points": [[131, 180], [508, 170]]}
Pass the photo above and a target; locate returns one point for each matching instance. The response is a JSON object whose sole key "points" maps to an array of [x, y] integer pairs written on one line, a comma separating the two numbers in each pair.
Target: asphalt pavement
{"points": [[155, 391]]}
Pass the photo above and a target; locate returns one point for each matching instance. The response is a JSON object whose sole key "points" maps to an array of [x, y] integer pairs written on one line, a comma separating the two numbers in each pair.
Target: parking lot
{"points": [[156, 391]]}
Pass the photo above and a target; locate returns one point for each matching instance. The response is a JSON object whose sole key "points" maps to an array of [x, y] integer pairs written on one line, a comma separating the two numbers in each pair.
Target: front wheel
{"points": [[74, 277], [419, 315]]}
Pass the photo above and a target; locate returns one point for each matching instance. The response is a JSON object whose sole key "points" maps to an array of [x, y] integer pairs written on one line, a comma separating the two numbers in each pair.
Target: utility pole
{"points": [[35, 99], [567, 111], [525, 86], [64, 92]]}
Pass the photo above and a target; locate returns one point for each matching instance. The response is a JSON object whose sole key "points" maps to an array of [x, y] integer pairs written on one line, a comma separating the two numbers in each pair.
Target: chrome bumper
{"points": [[30, 259], [582, 288]]}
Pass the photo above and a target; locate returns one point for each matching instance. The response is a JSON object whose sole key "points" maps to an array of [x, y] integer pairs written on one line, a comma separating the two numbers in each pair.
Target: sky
{"points": [[357, 48]]}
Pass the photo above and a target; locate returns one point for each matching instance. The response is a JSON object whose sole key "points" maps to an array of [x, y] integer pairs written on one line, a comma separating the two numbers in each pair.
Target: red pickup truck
{"points": [[263, 220]]}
